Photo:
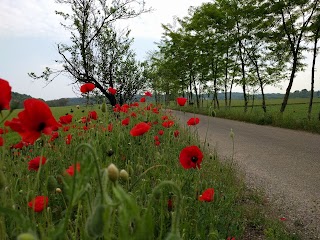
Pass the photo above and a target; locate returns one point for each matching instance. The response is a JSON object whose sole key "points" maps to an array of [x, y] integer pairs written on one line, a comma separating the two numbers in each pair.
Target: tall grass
{"points": [[154, 197]]}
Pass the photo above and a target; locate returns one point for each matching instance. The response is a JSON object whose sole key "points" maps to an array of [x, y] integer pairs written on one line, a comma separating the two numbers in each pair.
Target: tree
{"points": [[90, 19], [292, 19]]}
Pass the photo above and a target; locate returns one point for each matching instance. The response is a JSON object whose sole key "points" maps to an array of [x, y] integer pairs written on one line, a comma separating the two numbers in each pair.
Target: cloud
{"points": [[30, 18]]}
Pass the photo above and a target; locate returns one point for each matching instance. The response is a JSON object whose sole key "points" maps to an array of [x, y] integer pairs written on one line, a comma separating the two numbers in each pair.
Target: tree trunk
{"points": [[313, 70], [226, 81], [293, 71]]}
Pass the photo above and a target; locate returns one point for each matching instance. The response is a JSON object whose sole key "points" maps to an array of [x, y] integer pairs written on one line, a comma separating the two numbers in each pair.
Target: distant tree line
{"points": [[228, 43]]}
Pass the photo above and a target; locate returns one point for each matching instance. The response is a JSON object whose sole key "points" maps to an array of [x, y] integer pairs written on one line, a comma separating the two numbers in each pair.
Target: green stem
{"points": [[177, 212]]}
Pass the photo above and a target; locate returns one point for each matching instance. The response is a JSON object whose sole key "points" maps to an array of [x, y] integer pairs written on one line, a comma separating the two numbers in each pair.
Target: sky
{"points": [[30, 30]]}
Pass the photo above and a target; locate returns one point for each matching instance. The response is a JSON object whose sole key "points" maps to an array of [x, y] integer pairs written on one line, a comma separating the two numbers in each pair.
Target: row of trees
{"points": [[99, 53], [249, 43]]}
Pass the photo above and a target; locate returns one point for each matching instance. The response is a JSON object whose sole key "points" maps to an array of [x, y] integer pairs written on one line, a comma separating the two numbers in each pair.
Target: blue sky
{"points": [[29, 31]]}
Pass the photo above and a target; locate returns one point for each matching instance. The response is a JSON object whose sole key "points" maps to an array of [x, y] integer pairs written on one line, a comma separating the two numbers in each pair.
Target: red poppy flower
{"points": [[143, 99], [54, 135], [191, 157], [164, 118], [157, 143], [65, 119], [283, 219], [161, 132], [110, 127], [87, 87], [181, 101], [112, 91], [156, 138], [19, 145], [70, 170], [93, 115], [231, 238], [148, 94], [140, 129], [207, 195], [5, 96], [133, 114], [36, 118], [34, 164], [125, 121], [155, 110], [170, 205], [168, 123], [176, 133], [193, 121], [38, 203], [66, 128], [68, 139], [1, 141]]}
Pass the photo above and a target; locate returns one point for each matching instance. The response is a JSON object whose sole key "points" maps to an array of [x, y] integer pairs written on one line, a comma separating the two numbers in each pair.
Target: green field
{"points": [[294, 117], [159, 200]]}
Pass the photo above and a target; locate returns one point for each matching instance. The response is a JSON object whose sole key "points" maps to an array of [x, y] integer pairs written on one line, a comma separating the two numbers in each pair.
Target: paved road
{"points": [[286, 163]]}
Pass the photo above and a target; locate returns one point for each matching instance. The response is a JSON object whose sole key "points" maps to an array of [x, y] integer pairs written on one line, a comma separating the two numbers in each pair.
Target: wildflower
{"points": [[156, 138], [164, 118], [143, 99], [170, 204], [168, 123], [191, 157], [176, 133], [157, 143], [66, 128], [283, 219], [34, 164], [193, 121], [140, 129], [181, 101], [65, 119], [1, 141], [70, 170], [87, 87], [36, 118], [38, 203], [133, 114], [5, 96], [161, 132], [68, 139], [110, 127], [148, 94], [125, 121], [54, 135], [112, 90], [207, 195], [231, 238], [93, 115]]}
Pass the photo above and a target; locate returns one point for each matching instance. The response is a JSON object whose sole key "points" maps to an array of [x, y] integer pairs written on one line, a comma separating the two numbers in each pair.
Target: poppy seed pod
{"points": [[124, 175], [113, 172], [26, 236]]}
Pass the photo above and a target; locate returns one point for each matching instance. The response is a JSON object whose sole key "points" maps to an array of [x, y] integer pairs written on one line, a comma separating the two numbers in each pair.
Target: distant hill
{"points": [[17, 97]]}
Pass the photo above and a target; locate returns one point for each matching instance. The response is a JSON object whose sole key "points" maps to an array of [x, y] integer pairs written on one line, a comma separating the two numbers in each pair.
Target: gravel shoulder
{"points": [[284, 163]]}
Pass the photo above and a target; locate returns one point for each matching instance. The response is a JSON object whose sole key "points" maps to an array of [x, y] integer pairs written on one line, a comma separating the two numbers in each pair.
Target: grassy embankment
{"points": [[294, 117], [137, 208]]}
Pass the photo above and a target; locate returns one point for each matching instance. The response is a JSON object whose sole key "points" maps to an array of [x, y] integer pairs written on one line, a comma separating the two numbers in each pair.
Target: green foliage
{"points": [[88, 205]]}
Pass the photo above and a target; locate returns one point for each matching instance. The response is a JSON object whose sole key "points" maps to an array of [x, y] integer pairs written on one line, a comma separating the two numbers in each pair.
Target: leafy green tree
{"points": [[87, 22]]}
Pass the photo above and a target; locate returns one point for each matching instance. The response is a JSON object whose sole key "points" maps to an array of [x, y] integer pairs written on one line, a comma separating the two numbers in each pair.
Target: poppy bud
{"points": [[110, 152], [231, 134], [26, 236], [124, 175], [103, 107], [58, 190], [95, 223], [113, 172]]}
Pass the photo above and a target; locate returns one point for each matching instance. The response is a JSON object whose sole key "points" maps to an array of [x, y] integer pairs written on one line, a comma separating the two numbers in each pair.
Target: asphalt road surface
{"points": [[285, 163]]}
